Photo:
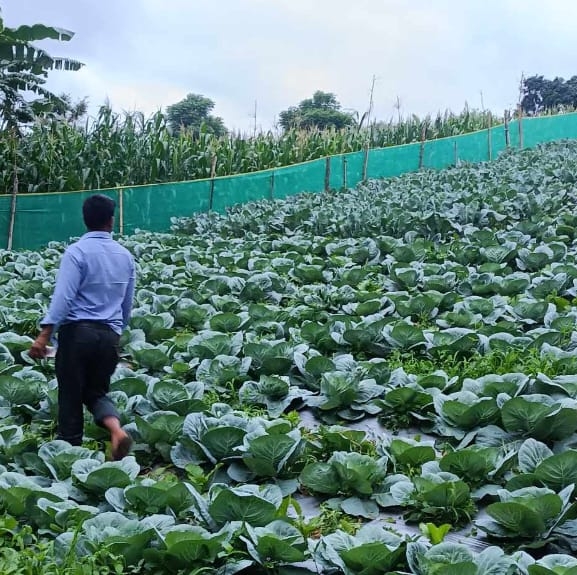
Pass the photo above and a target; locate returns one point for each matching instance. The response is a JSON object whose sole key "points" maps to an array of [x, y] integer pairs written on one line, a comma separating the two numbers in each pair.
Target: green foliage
{"points": [[554, 565], [271, 355], [345, 473], [430, 497], [193, 114], [458, 559], [541, 94], [530, 515], [322, 111], [372, 550], [24, 68], [22, 553], [435, 534], [130, 149], [327, 521]]}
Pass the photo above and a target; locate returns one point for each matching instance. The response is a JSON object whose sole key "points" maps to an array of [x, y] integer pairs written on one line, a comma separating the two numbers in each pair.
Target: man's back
{"points": [[96, 283]]}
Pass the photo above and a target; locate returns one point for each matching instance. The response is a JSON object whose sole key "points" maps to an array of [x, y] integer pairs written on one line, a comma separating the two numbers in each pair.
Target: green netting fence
{"points": [[41, 218]]}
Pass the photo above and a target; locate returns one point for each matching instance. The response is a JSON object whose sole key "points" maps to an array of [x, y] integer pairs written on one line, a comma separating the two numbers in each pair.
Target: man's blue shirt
{"points": [[95, 282]]}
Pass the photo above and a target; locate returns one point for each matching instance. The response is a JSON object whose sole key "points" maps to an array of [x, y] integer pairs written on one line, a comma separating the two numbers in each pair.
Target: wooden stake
{"points": [[520, 110], [120, 212], [13, 202], [521, 143], [456, 152], [507, 130], [212, 176], [213, 167], [12, 210], [366, 164], [271, 195], [370, 131], [255, 112], [422, 148], [328, 174], [345, 185], [490, 138]]}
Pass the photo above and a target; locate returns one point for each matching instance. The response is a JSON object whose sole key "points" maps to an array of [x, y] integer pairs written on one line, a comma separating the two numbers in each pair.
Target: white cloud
{"points": [[147, 54]]}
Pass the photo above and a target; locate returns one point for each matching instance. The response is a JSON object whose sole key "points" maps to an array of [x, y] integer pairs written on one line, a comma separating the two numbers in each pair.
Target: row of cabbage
{"points": [[249, 321], [529, 190]]}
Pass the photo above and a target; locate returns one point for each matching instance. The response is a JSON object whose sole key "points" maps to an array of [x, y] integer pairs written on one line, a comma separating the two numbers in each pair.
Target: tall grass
{"points": [[129, 149]]}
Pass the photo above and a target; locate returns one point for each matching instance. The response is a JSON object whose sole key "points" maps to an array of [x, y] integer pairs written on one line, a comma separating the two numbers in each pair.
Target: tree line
{"points": [[542, 95]]}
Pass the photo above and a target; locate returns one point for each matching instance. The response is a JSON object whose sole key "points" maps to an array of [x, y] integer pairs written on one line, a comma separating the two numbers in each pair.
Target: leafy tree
{"points": [[194, 113], [321, 111], [541, 94], [24, 69], [65, 109]]}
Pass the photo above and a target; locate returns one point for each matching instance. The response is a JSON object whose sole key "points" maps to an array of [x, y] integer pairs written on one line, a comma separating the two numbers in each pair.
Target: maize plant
{"points": [[128, 149]]}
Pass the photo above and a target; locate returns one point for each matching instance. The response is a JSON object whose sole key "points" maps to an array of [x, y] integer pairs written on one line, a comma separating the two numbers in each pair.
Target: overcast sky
{"points": [[431, 54]]}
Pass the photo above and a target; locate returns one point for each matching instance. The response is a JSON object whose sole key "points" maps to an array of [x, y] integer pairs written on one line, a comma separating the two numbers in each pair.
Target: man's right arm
{"points": [[67, 284]]}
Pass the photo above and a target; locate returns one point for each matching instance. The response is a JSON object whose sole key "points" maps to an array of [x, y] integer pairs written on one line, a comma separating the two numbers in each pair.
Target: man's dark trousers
{"points": [[87, 356]]}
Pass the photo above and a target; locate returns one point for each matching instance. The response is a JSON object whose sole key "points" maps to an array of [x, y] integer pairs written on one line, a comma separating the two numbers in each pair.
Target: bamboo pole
{"points": [[422, 147], [490, 138], [212, 176], [507, 130], [272, 186], [366, 164], [520, 111], [213, 167], [13, 210], [327, 174], [12, 221], [370, 132], [456, 153], [521, 143], [345, 175], [120, 212]]}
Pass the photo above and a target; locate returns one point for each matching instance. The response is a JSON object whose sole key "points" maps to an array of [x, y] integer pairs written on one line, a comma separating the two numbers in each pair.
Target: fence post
{"points": [[422, 148], [345, 184], [15, 183], [521, 143], [456, 152], [213, 167], [490, 138], [12, 211], [212, 176], [366, 164], [327, 174], [507, 131], [272, 186], [120, 212]]}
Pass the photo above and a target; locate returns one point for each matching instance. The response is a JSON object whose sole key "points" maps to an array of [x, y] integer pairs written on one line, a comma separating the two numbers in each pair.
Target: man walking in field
{"points": [[90, 308]]}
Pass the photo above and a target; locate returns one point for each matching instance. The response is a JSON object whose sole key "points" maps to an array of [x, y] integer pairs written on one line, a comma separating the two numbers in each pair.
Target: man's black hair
{"points": [[98, 210]]}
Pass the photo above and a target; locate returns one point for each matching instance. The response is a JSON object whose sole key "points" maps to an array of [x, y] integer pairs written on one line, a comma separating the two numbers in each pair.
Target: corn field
{"points": [[128, 149]]}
